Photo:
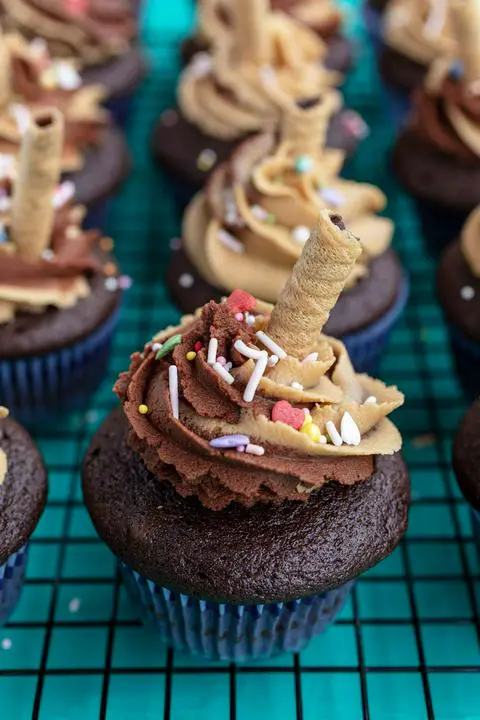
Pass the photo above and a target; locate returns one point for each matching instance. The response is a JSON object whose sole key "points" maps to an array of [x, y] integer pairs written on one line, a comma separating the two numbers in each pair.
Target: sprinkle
{"points": [[198, 346], [349, 430], [333, 433], [109, 268], [296, 385], [244, 349], [173, 388], [168, 346], [228, 366], [371, 400], [229, 441], [169, 117], [272, 360], [355, 124], [254, 449], [156, 346], [249, 319], [221, 360], [270, 219], [323, 440], [48, 254], [72, 232], [212, 351], [186, 280], [63, 194], [300, 234], [313, 357], [206, 160], [303, 164], [201, 64], [38, 47], [312, 431], [239, 316], [74, 605], [67, 76], [231, 242], [125, 282], [308, 417], [111, 284], [241, 301], [255, 377], [271, 344], [332, 196], [259, 212], [191, 355], [224, 374], [6, 644], [143, 409], [240, 448], [175, 244], [467, 292]]}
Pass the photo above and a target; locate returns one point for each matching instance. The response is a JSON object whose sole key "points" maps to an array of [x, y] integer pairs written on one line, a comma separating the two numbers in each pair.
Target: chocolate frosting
{"points": [[91, 31], [178, 449]]}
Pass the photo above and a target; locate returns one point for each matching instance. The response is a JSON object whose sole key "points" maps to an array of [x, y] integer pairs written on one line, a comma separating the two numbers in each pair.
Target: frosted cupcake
{"points": [[252, 474], [248, 228]]}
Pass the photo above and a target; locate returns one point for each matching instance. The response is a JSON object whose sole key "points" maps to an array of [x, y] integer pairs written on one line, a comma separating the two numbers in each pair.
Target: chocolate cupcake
{"points": [[252, 475], [324, 18], [466, 464], [415, 33], [95, 156], [99, 35], [248, 227], [23, 493], [437, 156], [59, 291], [260, 63], [458, 291]]}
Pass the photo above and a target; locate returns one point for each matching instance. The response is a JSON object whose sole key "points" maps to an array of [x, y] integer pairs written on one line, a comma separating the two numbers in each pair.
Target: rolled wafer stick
{"points": [[5, 73], [252, 41], [305, 127], [466, 25], [316, 281], [38, 176]]}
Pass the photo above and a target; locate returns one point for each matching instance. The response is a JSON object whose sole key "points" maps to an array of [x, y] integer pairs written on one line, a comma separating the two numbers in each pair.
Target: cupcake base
{"points": [[12, 575], [476, 529], [466, 356], [221, 631]]}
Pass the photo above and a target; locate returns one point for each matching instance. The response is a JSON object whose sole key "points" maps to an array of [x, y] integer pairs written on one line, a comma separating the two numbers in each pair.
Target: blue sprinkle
{"points": [[303, 164], [457, 70]]}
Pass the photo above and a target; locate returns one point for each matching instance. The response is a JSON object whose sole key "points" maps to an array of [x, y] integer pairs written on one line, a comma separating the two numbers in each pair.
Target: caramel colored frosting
{"points": [[60, 277], [36, 81], [248, 227], [447, 115], [278, 457], [470, 242], [228, 97], [419, 29], [91, 31], [3, 457]]}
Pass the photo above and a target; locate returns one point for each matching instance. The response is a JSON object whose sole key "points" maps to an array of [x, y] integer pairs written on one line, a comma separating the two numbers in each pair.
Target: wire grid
{"points": [[407, 644]]}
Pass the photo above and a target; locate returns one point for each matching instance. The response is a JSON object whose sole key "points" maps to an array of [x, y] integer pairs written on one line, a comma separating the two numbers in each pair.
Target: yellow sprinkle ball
{"points": [[308, 419], [191, 355], [110, 268], [312, 430], [143, 409], [106, 244]]}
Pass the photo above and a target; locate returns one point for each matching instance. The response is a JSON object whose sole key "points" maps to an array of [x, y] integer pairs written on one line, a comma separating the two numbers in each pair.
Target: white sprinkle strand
{"points": [[271, 344], [272, 360], [212, 351], [6, 644], [223, 372], [254, 449], [255, 377], [296, 385], [333, 433], [231, 242], [63, 194], [349, 430], [244, 349], [74, 605], [371, 400], [300, 234], [313, 357], [173, 387], [467, 292]]}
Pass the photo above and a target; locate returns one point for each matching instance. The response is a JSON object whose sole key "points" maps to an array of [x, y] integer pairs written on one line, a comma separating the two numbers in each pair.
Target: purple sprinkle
{"points": [[229, 441], [125, 282], [221, 360]]}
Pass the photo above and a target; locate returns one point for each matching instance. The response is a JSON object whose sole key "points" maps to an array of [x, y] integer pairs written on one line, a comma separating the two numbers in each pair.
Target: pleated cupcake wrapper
{"points": [[476, 529], [12, 574], [366, 347], [220, 631], [466, 355], [38, 387]]}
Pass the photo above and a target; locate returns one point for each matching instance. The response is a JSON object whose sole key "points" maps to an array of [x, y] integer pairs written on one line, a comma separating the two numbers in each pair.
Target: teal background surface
{"points": [[406, 647]]}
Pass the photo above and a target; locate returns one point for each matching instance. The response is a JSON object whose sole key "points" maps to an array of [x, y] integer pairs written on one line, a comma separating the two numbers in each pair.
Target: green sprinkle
{"points": [[168, 346], [270, 219]]}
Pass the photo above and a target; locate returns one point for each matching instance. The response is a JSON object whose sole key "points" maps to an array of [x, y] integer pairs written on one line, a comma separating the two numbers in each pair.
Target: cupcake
{"points": [[251, 475], [95, 158], [100, 36], [248, 227], [437, 156], [324, 18], [466, 463], [259, 63], [415, 33], [23, 494], [458, 291], [59, 291]]}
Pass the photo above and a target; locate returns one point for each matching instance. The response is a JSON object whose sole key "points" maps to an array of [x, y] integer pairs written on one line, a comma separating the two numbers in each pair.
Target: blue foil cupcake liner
{"points": [[35, 388], [466, 356], [440, 225], [220, 631], [96, 217], [476, 529], [366, 347], [12, 574]]}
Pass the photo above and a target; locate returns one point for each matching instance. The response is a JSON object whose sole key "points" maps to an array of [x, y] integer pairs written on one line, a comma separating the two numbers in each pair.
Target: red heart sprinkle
{"points": [[241, 301], [282, 411], [198, 346]]}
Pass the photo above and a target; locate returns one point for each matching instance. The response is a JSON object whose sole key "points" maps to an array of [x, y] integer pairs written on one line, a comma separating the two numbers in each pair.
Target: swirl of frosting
{"points": [[263, 62], [212, 412], [34, 80], [91, 31], [248, 228], [419, 29]]}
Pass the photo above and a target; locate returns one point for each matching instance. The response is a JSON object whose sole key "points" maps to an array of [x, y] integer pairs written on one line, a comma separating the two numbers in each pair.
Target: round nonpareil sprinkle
{"points": [[48, 255], [239, 316], [255, 377], [467, 292], [303, 164], [109, 268], [333, 433], [198, 346], [272, 360], [259, 212], [206, 160], [252, 449], [106, 244], [191, 355], [212, 351], [221, 360], [249, 319], [156, 346], [186, 280], [143, 409], [224, 374], [168, 346], [240, 448], [111, 284], [229, 441], [271, 344], [173, 389], [125, 282]]}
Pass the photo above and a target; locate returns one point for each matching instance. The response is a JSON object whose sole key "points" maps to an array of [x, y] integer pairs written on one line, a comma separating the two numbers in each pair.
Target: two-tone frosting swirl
{"points": [[419, 29], [91, 31]]}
